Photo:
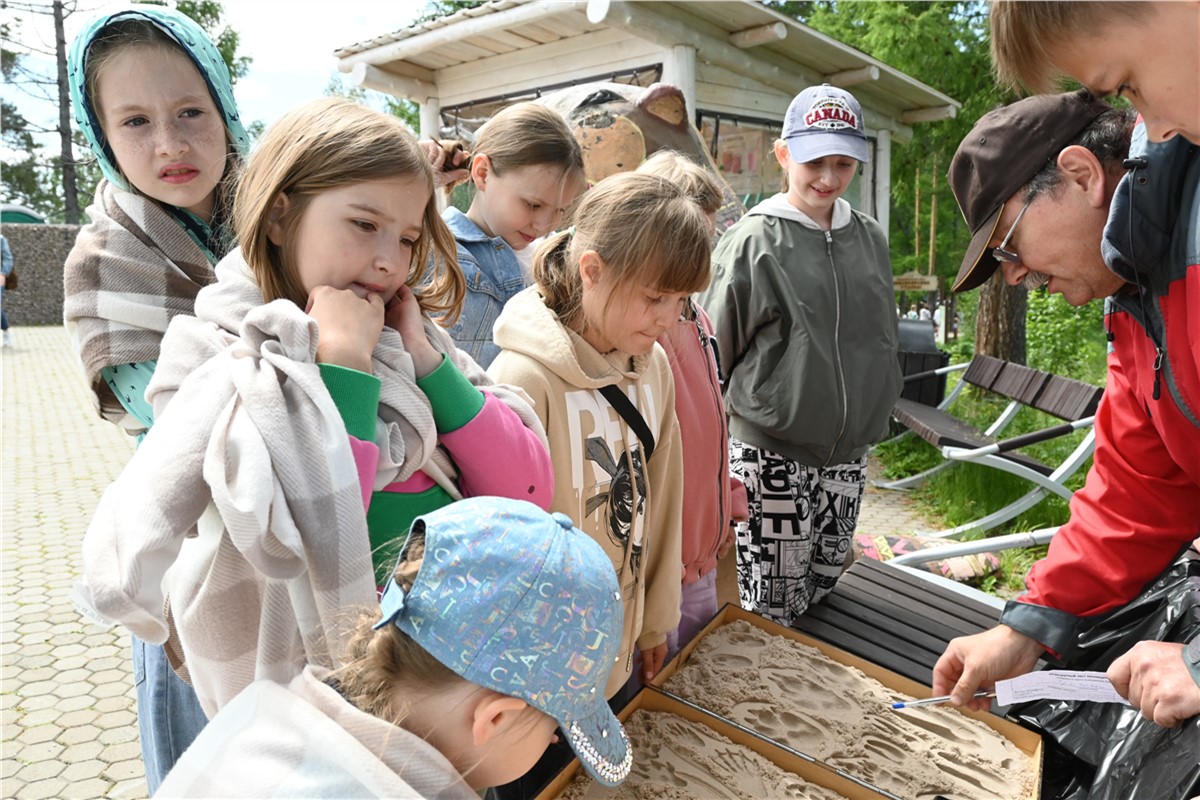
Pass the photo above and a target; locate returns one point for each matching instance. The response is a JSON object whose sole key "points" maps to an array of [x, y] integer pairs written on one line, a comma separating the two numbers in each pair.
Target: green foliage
{"points": [[965, 492], [436, 9], [24, 179], [406, 110], [1066, 340], [207, 14]]}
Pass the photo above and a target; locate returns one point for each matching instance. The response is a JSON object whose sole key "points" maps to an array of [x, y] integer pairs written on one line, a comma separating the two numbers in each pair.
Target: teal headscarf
{"points": [[199, 48]]}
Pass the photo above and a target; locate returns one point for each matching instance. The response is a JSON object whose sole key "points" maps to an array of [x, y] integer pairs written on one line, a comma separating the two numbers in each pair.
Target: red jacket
{"points": [[712, 497], [1140, 505]]}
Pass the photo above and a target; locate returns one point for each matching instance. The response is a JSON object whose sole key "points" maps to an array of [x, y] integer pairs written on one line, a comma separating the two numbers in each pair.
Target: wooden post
{"points": [[933, 216], [917, 214]]}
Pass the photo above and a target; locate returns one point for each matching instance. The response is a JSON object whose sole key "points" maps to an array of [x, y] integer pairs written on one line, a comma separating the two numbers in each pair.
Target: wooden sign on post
{"points": [[915, 282]]}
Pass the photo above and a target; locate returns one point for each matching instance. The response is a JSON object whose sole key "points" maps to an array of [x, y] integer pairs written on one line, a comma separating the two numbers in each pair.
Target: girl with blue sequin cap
{"points": [[501, 623], [154, 99]]}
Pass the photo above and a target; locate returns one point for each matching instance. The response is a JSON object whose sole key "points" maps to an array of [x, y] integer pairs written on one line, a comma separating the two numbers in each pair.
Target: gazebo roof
{"points": [[765, 40]]}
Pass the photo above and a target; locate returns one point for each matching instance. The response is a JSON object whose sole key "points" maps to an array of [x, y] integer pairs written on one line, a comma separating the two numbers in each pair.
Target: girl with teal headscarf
{"points": [[154, 99]]}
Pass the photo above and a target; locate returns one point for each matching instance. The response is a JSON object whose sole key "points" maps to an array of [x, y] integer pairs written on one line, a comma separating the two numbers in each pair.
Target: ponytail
{"points": [[557, 277]]}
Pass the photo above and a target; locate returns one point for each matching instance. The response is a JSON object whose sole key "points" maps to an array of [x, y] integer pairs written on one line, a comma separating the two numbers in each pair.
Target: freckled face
{"points": [[163, 127]]}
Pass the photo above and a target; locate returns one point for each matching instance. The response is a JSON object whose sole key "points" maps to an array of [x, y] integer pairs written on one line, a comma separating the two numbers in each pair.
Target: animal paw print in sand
{"points": [[885, 749], [747, 644], [680, 731], [808, 694], [679, 772], [946, 725], [970, 780], [782, 726], [870, 769], [742, 772]]}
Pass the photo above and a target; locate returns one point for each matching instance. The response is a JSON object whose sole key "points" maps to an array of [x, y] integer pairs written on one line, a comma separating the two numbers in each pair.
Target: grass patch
{"points": [[1061, 339]]}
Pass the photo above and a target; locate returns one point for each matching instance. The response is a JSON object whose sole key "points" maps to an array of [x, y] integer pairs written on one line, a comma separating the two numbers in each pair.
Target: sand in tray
{"points": [[796, 695], [676, 759]]}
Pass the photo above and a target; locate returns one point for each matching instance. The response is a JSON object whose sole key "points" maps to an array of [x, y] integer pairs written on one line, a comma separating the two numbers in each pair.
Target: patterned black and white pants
{"points": [[791, 551]]}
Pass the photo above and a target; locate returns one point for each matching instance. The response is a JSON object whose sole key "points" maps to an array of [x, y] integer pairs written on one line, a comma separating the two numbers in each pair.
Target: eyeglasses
{"points": [[1008, 256]]}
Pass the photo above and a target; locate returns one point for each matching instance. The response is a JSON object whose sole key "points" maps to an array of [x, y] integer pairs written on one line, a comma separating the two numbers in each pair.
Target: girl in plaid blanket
{"points": [[311, 382], [153, 97]]}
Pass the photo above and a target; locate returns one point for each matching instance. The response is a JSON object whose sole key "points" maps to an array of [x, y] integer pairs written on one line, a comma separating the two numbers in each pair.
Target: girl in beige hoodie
{"points": [[605, 290]]}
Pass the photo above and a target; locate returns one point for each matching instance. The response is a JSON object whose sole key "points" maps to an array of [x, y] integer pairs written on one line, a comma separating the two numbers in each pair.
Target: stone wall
{"points": [[39, 252]]}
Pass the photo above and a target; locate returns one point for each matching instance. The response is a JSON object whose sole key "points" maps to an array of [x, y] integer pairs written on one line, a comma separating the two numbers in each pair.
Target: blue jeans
{"points": [[169, 713]]}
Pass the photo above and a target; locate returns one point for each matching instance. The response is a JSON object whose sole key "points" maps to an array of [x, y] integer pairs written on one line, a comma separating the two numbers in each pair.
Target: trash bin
{"points": [[918, 352]]}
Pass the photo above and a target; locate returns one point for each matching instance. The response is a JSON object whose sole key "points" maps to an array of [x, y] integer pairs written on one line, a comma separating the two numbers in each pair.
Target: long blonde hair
{"points": [[644, 228], [326, 144]]}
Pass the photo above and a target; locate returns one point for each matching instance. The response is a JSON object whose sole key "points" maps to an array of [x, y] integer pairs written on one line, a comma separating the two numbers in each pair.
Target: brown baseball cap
{"points": [[1003, 152]]}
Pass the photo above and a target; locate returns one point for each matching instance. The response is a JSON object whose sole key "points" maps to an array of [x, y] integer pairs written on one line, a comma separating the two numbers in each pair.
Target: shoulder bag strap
{"points": [[628, 411]]}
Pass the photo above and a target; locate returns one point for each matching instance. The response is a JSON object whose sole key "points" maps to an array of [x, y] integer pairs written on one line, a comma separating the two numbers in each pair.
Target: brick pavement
{"points": [[66, 691], [69, 727]]}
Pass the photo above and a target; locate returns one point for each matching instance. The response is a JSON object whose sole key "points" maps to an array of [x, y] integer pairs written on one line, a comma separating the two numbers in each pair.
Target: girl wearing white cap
{"points": [[804, 312]]}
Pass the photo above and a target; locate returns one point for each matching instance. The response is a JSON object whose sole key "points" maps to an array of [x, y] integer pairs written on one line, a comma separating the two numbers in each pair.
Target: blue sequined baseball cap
{"points": [[519, 601]]}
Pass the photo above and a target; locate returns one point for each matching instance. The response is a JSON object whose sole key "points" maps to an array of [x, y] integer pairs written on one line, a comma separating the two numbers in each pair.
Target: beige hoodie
{"points": [[594, 453]]}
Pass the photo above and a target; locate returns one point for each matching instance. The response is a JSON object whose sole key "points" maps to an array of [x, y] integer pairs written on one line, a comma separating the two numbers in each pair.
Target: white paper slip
{"points": [[1059, 684]]}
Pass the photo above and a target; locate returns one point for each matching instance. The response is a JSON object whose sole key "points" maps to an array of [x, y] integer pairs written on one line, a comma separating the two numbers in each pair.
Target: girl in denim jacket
{"points": [[527, 169]]}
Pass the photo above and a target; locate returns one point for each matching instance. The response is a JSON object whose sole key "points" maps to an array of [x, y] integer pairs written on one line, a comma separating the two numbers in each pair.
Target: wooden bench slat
{"points": [[854, 637], [890, 620], [944, 430], [1065, 398], [943, 622], [982, 371], [928, 620], [971, 611]]}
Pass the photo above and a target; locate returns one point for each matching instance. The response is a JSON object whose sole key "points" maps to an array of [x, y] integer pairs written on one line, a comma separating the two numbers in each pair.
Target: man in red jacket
{"points": [[1040, 183]]}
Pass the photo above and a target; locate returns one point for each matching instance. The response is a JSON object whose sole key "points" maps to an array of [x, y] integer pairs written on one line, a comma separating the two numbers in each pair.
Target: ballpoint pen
{"points": [[933, 701]]}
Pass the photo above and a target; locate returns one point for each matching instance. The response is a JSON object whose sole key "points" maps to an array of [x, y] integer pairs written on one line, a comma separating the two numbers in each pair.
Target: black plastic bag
{"points": [[1133, 758]]}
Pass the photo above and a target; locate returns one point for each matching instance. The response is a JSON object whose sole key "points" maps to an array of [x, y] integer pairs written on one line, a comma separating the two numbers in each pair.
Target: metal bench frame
{"points": [[1068, 399]]}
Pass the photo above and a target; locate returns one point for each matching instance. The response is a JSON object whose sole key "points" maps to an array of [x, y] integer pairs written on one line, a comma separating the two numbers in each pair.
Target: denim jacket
{"points": [[493, 275]]}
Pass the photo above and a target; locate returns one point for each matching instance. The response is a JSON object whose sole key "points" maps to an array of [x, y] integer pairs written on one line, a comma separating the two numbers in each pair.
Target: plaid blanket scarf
{"points": [[242, 504], [132, 270]]}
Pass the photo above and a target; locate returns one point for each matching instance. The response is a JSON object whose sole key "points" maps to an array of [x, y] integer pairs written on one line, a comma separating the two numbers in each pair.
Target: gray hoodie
{"points": [[805, 320]]}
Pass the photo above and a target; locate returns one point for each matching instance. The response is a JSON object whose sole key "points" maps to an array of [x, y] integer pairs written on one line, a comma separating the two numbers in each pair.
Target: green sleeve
{"points": [[356, 395], [455, 399]]}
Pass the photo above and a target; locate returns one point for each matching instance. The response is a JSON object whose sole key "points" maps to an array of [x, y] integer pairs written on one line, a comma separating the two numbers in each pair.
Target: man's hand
{"points": [[450, 161], [1154, 678], [980, 660]]}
